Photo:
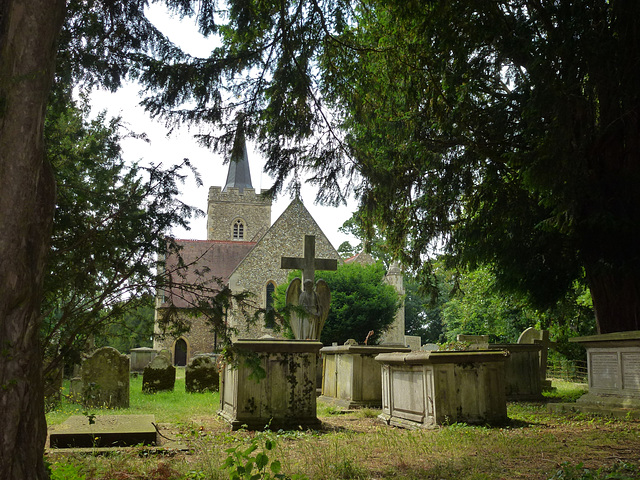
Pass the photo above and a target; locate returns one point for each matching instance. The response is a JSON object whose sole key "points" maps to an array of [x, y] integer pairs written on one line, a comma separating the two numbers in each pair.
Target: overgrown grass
{"points": [[536, 444], [168, 407]]}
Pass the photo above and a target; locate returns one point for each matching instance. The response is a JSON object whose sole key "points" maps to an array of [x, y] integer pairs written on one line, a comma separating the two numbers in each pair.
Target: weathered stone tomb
{"points": [[424, 389]]}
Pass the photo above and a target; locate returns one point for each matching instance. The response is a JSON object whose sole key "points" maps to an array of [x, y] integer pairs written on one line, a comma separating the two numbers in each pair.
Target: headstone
{"points": [[476, 342], [105, 379], [202, 374], [141, 357], [424, 389], [541, 337], [277, 389], [166, 354], [159, 376], [351, 376], [105, 431]]}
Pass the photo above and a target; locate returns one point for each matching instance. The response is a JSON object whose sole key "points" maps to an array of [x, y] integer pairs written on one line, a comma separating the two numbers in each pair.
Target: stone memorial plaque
{"points": [[630, 370], [604, 370]]}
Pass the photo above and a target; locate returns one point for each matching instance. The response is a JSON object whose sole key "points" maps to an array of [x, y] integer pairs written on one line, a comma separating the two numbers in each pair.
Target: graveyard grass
{"points": [[535, 444]]}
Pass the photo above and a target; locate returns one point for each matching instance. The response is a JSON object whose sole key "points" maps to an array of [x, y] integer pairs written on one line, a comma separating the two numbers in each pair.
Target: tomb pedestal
{"points": [[523, 380], [284, 397], [351, 376], [613, 365], [423, 389], [141, 357]]}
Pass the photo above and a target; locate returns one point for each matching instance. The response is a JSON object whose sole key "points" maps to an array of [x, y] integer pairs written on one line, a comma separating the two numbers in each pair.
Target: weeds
{"points": [[618, 471], [353, 445]]}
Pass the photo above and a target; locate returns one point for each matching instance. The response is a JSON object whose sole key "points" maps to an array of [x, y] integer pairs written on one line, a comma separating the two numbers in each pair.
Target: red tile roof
{"points": [[203, 261]]}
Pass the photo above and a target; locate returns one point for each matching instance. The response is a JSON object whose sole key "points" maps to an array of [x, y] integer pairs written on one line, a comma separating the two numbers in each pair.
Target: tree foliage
{"points": [[360, 302], [504, 132], [110, 224]]}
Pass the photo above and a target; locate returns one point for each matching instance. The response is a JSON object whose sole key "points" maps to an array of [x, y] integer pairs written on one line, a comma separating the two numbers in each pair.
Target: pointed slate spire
{"points": [[239, 175]]}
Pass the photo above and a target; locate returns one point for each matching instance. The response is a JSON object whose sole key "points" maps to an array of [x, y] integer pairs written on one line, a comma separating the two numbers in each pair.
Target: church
{"points": [[243, 250]]}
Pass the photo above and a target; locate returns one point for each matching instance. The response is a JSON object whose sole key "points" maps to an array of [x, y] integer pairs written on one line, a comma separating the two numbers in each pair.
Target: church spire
{"points": [[239, 175]]}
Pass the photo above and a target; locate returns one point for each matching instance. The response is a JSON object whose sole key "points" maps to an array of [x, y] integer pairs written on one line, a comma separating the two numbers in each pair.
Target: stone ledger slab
{"points": [[285, 398], [425, 389], [351, 377], [107, 431]]}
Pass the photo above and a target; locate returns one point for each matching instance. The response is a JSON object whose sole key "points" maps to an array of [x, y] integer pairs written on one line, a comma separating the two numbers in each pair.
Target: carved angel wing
{"points": [[293, 291], [324, 301], [292, 298]]}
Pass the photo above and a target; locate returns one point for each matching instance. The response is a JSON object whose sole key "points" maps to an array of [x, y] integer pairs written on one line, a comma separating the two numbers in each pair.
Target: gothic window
{"points": [[238, 230], [270, 320]]}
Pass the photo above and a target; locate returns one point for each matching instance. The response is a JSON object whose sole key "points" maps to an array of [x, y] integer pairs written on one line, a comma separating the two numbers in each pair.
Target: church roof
{"points": [[239, 175], [204, 261]]}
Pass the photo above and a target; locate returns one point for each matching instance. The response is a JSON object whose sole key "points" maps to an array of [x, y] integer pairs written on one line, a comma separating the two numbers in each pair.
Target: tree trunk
{"points": [[28, 34], [616, 301]]}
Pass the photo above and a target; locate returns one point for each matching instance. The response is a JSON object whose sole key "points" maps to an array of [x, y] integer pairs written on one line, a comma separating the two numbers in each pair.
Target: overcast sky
{"points": [[181, 144]]}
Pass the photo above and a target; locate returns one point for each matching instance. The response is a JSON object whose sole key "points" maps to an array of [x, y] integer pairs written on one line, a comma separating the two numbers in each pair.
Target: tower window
{"points": [[238, 230]]}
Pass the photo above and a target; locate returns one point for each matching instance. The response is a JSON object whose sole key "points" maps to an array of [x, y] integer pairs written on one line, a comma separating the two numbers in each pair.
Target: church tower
{"points": [[236, 212]]}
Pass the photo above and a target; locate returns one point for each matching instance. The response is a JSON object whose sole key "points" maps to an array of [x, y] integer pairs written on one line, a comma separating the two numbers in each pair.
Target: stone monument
{"points": [[424, 389], [202, 374], [141, 357], [613, 364], [311, 305], [159, 376], [272, 383], [539, 337], [105, 379]]}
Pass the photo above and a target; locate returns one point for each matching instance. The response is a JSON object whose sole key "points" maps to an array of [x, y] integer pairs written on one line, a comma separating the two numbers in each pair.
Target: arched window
{"points": [[238, 230], [270, 291]]}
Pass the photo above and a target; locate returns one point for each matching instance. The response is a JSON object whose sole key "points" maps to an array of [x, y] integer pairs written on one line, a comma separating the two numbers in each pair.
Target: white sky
{"points": [[180, 144]]}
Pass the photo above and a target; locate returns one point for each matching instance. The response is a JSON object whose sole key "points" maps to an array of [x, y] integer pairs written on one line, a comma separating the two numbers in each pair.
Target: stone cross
{"points": [[539, 337], [308, 263]]}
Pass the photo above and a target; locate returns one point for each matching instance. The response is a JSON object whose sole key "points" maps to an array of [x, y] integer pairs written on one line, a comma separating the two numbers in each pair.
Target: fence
{"points": [[571, 371]]}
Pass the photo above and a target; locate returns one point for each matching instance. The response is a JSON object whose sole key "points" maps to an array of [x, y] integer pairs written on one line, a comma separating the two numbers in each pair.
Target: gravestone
{"points": [[425, 389], [105, 379], [141, 357], [539, 337], [202, 374], [476, 342], [159, 376], [166, 354]]}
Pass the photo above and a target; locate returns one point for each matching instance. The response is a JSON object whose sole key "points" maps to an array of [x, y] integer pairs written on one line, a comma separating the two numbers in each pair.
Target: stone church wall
{"points": [[224, 208], [262, 264], [199, 339]]}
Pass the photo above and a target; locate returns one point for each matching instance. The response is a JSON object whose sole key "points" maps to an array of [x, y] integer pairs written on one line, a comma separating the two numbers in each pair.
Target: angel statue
{"points": [[308, 320]]}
